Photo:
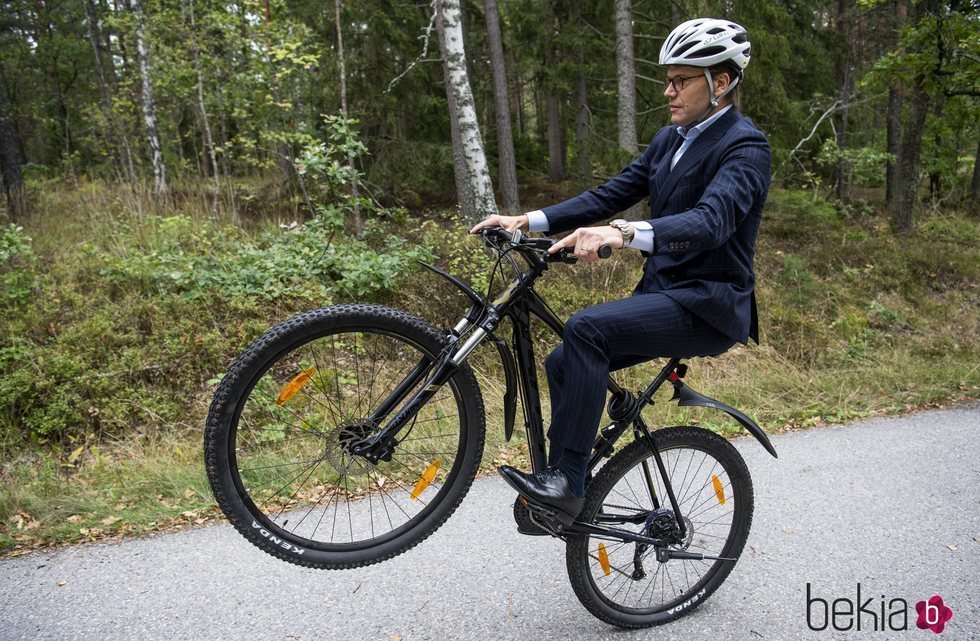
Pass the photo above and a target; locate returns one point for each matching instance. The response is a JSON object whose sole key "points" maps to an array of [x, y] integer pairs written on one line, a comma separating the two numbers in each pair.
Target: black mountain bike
{"points": [[348, 434]]}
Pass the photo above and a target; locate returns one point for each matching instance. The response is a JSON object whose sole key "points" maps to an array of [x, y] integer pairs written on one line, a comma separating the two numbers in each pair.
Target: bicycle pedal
{"points": [[523, 519], [555, 522]]}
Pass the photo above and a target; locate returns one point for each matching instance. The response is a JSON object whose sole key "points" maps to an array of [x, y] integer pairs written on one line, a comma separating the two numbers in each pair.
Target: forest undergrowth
{"points": [[120, 315]]}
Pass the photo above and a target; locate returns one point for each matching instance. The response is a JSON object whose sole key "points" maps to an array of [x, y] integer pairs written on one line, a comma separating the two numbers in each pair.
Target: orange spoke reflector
{"points": [[604, 559], [294, 386], [426, 479], [719, 490]]}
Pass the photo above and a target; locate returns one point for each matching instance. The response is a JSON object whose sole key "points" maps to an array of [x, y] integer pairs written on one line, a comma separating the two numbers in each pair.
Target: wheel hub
{"points": [[338, 447], [662, 525]]}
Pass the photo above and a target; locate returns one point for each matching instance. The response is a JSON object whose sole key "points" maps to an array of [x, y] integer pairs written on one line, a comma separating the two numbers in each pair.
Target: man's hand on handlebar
{"points": [[510, 223], [586, 242]]}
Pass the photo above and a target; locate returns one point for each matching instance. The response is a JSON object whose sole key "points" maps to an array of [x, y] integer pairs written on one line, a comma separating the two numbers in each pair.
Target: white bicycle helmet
{"points": [[706, 42]]}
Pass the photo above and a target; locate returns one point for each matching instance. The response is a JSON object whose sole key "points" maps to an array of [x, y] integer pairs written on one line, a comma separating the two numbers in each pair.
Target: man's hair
{"points": [[735, 95]]}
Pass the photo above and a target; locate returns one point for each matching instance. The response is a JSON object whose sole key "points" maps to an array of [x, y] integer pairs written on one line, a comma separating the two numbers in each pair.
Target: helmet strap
{"points": [[712, 98]]}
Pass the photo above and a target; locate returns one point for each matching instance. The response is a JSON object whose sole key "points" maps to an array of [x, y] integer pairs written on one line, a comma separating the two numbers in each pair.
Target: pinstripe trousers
{"points": [[608, 337]]}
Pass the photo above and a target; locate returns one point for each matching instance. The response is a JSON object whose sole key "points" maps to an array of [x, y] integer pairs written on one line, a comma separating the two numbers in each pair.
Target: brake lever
{"points": [[563, 255]]}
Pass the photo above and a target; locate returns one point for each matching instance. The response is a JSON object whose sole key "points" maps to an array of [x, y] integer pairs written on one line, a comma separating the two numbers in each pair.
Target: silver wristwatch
{"points": [[627, 230]]}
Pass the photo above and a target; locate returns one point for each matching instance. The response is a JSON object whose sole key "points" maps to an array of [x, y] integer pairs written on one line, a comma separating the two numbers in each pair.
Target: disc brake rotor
{"points": [[337, 451]]}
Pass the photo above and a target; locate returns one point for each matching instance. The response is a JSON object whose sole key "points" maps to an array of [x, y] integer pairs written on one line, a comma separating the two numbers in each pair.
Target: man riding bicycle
{"points": [[707, 176]]}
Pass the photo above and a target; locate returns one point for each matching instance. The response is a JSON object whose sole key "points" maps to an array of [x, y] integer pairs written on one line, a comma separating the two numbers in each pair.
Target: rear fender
{"points": [[687, 397]]}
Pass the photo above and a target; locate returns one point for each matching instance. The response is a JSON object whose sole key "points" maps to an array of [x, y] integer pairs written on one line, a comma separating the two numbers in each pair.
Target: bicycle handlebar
{"points": [[538, 246]]}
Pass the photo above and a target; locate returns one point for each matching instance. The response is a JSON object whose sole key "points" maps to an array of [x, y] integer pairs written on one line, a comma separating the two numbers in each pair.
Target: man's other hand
{"points": [[588, 240], [510, 223]]}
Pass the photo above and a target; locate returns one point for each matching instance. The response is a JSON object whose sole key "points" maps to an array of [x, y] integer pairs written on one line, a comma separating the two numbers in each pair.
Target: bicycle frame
{"points": [[520, 302]]}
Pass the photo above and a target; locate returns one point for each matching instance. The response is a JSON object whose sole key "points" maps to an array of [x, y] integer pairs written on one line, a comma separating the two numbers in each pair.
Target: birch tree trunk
{"points": [[626, 67], [208, 138], [501, 101], [357, 222], [475, 192], [149, 105], [117, 139]]}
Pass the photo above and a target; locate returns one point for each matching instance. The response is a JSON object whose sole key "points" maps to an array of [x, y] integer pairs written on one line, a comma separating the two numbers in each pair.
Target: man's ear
{"points": [[722, 81]]}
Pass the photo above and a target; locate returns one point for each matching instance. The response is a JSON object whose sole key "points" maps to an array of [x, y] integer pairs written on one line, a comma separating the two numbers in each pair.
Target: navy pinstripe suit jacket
{"points": [[705, 214]]}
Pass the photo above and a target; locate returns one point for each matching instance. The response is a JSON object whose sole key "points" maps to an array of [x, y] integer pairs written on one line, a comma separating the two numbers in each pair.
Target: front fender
{"points": [[510, 378], [687, 397], [466, 289]]}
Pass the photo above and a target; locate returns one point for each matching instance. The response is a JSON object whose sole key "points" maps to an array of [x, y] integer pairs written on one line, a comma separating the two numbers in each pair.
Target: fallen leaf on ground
{"points": [[74, 455]]}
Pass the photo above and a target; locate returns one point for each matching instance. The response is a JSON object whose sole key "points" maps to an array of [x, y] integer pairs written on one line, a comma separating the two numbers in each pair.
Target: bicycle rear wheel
{"points": [[278, 436], [623, 583]]}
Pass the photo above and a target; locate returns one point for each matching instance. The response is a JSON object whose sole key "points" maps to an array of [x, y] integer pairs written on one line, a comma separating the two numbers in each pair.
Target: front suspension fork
{"points": [[379, 446]]}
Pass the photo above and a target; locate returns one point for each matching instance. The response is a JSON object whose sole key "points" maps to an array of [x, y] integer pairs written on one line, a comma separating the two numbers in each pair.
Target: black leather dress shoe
{"points": [[549, 487]]}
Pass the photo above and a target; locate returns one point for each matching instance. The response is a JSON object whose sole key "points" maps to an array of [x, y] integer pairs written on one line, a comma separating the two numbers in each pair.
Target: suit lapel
{"points": [[663, 167], [701, 145]]}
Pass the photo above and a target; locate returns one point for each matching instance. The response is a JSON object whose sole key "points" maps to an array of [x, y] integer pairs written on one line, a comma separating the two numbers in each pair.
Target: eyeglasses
{"points": [[679, 82]]}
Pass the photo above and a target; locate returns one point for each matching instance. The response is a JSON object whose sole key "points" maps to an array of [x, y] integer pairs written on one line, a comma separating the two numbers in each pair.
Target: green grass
{"points": [[121, 489], [106, 380]]}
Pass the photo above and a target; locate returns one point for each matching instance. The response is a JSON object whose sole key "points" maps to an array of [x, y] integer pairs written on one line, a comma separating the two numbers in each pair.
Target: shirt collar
{"points": [[698, 129]]}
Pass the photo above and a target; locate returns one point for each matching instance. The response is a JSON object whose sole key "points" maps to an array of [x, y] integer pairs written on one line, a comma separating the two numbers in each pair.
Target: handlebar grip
{"points": [[605, 251]]}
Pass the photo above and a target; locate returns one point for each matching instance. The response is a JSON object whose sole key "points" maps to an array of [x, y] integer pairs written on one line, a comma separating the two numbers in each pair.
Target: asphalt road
{"points": [[890, 504]]}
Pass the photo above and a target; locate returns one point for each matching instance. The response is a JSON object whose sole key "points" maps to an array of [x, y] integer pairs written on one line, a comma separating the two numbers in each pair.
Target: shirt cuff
{"points": [[536, 221], [642, 236]]}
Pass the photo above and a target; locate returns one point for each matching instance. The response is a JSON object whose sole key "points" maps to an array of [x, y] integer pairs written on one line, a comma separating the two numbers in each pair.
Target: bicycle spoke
{"points": [[290, 434], [339, 400], [708, 498]]}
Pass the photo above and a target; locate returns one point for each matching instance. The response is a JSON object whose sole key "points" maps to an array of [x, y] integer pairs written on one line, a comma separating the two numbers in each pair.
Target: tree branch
{"points": [[653, 80], [425, 48], [834, 108], [949, 93], [792, 155], [649, 62]]}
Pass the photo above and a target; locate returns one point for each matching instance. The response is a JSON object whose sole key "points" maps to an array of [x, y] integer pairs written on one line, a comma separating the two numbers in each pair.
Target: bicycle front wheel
{"points": [[279, 431], [623, 583]]}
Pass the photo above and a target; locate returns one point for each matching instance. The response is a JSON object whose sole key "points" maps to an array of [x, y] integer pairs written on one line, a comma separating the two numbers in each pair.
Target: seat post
{"points": [[671, 366]]}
